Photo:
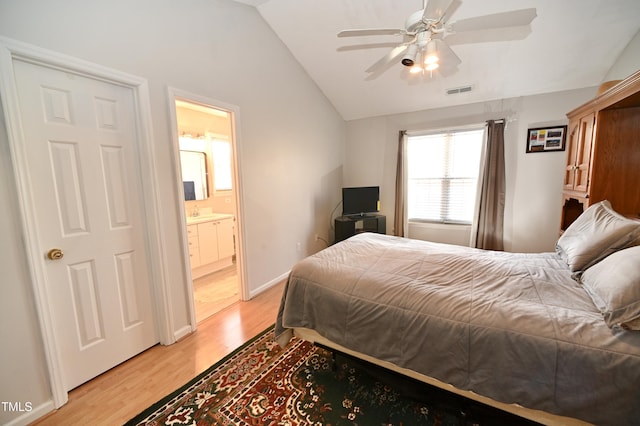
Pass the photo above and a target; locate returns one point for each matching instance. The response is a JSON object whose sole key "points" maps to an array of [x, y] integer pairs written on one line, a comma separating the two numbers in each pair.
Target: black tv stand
{"points": [[347, 226], [360, 216]]}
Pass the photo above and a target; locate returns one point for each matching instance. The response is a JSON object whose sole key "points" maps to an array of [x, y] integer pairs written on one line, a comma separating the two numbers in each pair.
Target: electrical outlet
{"points": [[298, 247]]}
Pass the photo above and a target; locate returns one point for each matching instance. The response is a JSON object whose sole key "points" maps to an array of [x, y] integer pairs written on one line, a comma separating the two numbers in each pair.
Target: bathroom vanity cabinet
{"points": [[211, 243]]}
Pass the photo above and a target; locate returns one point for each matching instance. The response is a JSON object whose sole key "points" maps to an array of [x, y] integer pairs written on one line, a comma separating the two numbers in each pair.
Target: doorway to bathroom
{"points": [[207, 163]]}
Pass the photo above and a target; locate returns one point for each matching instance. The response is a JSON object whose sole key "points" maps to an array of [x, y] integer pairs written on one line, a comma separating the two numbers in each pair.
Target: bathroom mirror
{"points": [[194, 175]]}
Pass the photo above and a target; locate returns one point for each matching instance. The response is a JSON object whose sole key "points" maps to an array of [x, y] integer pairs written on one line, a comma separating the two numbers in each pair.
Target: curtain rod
{"points": [[463, 127]]}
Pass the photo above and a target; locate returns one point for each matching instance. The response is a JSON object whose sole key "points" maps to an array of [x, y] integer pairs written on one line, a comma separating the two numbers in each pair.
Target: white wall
{"points": [[291, 142], [628, 62], [439, 232], [534, 181]]}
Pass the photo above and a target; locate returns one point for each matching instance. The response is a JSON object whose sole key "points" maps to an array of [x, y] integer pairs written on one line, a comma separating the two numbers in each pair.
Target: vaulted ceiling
{"points": [[571, 44]]}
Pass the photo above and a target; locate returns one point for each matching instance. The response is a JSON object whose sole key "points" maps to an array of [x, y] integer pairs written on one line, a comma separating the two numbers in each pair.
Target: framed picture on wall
{"points": [[545, 139]]}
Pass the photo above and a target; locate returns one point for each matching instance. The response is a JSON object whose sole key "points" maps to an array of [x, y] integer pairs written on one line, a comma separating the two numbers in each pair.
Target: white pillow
{"points": [[595, 234], [614, 287]]}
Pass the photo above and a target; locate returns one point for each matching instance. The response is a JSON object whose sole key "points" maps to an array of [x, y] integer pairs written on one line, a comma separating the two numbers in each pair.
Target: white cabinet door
{"points": [[194, 246], [225, 238], [208, 242]]}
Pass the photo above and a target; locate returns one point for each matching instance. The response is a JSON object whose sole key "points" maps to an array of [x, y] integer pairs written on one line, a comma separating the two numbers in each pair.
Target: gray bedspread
{"points": [[511, 326]]}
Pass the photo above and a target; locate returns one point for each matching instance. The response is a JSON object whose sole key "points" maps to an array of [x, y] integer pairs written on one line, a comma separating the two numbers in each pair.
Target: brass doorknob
{"points": [[55, 254]]}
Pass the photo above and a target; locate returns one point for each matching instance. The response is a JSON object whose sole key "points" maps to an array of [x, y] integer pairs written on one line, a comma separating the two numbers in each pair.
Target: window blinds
{"points": [[442, 175]]}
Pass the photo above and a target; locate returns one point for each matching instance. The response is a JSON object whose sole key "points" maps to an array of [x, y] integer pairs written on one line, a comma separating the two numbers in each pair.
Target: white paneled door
{"points": [[80, 135]]}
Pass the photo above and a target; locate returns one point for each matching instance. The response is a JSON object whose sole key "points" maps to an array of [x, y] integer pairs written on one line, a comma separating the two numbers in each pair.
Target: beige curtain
{"points": [[490, 222], [399, 219]]}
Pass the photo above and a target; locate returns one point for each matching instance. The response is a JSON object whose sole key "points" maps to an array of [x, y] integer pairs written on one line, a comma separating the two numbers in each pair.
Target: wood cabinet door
{"points": [[572, 154], [580, 145], [583, 154]]}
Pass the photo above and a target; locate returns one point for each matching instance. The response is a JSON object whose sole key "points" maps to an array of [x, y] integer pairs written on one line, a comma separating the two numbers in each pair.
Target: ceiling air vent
{"points": [[457, 90]]}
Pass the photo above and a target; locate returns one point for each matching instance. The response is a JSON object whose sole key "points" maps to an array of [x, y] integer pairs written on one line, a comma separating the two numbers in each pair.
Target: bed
{"points": [[549, 336]]}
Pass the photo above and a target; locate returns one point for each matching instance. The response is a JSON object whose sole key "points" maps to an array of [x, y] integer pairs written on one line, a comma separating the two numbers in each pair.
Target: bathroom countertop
{"points": [[192, 220]]}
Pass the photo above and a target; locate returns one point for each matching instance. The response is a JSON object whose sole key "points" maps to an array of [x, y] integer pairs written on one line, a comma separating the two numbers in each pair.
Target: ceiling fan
{"points": [[428, 33]]}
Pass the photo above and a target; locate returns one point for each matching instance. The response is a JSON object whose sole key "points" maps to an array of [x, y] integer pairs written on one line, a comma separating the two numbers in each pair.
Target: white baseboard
{"points": [[31, 416], [253, 293], [182, 332]]}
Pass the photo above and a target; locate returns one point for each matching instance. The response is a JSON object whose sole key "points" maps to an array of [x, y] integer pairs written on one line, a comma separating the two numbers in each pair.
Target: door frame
{"points": [[11, 50], [175, 94]]}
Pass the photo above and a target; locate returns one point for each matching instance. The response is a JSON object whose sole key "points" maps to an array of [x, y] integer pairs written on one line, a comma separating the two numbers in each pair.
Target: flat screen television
{"points": [[360, 200]]}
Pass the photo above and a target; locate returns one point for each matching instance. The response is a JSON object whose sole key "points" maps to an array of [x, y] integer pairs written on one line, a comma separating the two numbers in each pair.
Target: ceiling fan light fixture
{"points": [[417, 68], [432, 66], [431, 53], [408, 62], [409, 58], [431, 59]]}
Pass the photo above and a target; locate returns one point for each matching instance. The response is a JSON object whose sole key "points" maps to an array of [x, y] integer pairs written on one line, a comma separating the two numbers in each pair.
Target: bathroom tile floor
{"points": [[216, 291]]}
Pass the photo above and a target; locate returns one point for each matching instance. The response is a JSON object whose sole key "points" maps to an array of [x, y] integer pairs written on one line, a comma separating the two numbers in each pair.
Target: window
{"points": [[442, 175], [221, 165]]}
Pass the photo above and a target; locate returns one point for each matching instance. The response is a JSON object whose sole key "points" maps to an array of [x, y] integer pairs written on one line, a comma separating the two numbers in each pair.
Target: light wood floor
{"points": [[119, 394]]}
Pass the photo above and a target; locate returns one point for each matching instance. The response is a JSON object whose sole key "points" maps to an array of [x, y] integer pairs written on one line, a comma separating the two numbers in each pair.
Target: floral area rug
{"points": [[301, 384]]}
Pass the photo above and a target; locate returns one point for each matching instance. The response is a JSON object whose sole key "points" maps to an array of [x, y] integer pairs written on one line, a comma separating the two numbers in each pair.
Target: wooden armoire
{"points": [[603, 152]]}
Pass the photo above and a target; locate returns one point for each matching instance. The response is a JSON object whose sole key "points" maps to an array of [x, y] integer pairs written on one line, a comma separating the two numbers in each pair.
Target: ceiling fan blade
{"points": [[448, 57], [386, 61], [366, 46], [453, 7], [436, 9], [492, 35], [512, 18], [370, 32], [447, 70]]}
